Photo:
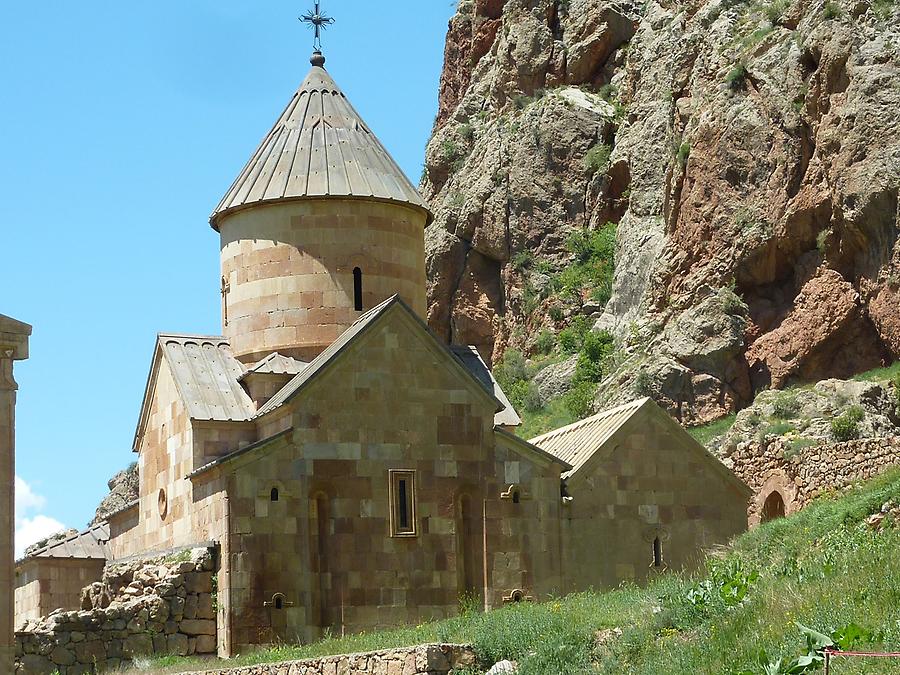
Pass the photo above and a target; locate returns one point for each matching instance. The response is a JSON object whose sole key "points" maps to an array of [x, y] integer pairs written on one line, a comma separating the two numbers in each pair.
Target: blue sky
{"points": [[122, 124]]}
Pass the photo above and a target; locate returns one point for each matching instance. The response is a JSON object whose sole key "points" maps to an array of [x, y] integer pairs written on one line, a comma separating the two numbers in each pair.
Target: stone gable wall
{"points": [[801, 476], [421, 660], [141, 608]]}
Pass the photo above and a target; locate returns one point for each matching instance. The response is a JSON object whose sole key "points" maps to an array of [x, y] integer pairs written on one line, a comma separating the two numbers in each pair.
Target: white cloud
{"points": [[31, 528], [26, 499]]}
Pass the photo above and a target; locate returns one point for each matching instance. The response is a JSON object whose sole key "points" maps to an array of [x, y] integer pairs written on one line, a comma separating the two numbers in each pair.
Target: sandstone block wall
{"points": [[325, 547], [772, 466], [47, 584], [421, 660], [157, 607], [653, 483], [288, 271]]}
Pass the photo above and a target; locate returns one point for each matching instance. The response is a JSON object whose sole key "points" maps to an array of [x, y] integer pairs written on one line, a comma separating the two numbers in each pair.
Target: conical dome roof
{"points": [[319, 148]]}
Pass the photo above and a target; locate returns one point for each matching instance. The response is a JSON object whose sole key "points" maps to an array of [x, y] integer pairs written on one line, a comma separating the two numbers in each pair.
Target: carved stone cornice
{"points": [[7, 382]]}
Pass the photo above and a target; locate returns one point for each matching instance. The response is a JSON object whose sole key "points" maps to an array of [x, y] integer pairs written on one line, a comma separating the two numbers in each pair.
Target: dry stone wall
{"points": [[799, 476], [161, 606], [421, 660]]}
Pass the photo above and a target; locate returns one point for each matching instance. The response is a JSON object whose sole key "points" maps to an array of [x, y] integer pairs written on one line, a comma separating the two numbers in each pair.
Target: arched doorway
{"points": [[773, 507]]}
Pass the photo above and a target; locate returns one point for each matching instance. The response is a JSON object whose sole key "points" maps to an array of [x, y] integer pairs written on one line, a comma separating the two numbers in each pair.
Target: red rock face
{"points": [[778, 179]]}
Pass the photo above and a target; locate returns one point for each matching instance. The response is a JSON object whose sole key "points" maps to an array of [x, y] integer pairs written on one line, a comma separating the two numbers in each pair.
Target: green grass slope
{"points": [[822, 568]]}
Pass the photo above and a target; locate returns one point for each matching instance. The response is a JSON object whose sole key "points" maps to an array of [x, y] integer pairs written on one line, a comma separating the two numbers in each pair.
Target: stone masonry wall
{"points": [[161, 606], [421, 660], [800, 476]]}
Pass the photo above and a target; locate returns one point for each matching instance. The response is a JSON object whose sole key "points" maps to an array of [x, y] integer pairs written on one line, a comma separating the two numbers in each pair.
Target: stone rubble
{"points": [[160, 606]]}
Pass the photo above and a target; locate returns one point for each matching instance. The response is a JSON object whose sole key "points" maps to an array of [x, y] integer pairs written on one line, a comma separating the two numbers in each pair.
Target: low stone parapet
{"points": [[421, 660]]}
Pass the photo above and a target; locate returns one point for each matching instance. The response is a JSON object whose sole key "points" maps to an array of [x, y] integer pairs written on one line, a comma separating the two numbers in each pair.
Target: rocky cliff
{"points": [[123, 490], [747, 155]]}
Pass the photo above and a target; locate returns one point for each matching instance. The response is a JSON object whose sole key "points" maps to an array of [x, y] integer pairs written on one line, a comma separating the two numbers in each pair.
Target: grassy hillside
{"points": [[822, 568]]}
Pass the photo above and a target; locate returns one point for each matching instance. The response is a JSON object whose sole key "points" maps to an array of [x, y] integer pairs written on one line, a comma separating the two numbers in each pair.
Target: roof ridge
{"points": [[637, 403]]}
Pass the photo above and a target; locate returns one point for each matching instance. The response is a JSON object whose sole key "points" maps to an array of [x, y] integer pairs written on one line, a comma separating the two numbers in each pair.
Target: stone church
{"points": [[347, 469]]}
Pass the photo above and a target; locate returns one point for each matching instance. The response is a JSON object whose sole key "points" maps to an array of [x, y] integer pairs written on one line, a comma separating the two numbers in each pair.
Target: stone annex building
{"points": [[347, 469]]}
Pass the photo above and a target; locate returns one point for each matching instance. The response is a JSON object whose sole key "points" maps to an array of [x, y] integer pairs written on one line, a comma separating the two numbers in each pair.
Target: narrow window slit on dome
{"points": [[357, 289]]}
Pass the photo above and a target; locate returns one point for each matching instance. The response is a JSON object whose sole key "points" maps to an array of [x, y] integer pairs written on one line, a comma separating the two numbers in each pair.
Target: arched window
{"points": [[657, 552], [773, 507], [279, 602], [273, 495], [357, 289], [516, 496]]}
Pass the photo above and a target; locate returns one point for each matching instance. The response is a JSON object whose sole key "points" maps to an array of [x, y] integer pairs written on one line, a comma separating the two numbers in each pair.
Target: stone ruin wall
{"points": [[420, 660], [147, 607], [799, 477]]}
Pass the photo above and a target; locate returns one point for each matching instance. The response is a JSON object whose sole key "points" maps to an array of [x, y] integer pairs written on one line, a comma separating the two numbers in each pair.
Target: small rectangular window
{"points": [[403, 503]]}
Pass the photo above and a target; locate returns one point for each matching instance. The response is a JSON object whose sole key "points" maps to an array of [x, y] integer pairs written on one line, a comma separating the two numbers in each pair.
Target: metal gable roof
{"points": [[577, 443], [207, 377], [90, 544], [320, 147]]}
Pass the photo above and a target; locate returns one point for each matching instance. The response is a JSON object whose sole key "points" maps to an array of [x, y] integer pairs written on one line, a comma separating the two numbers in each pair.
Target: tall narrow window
{"points": [[357, 289], [403, 503], [657, 552], [273, 495]]}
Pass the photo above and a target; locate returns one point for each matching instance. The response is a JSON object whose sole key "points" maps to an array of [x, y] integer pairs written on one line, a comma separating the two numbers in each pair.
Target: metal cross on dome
{"points": [[319, 22]]}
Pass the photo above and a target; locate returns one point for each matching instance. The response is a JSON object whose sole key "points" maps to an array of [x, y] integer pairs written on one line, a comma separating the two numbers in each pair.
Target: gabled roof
{"points": [[471, 359], [90, 544], [577, 443], [325, 357], [275, 364], [206, 376], [580, 442], [320, 147]]}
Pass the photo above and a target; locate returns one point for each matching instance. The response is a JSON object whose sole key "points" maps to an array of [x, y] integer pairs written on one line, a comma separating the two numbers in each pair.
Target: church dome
{"points": [[319, 148]]}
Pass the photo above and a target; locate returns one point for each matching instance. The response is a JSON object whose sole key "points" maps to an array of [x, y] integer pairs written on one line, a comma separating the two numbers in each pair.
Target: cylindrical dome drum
{"points": [[297, 274]]}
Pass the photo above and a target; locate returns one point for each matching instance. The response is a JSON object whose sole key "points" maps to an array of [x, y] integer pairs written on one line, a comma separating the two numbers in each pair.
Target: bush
{"points": [[511, 369], [579, 400], [832, 11], [844, 427], [522, 260], [595, 347], [545, 342], [736, 77], [774, 11], [556, 312], [786, 406], [524, 395], [597, 158], [572, 338], [684, 151], [452, 154], [594, 265]]}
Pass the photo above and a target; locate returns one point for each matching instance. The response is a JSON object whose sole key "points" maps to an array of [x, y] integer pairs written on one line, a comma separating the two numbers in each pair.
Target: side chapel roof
{"points": [[89, 544], [320, 147], [206, 375]]}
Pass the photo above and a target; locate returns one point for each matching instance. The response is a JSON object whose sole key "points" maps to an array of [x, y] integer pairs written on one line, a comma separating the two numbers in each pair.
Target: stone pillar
{"points": [[13, 347]]}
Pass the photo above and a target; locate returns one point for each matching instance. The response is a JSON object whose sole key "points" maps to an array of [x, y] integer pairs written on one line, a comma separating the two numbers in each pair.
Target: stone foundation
{"points": [[421, 660], [156, 607], [771, 466]]}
